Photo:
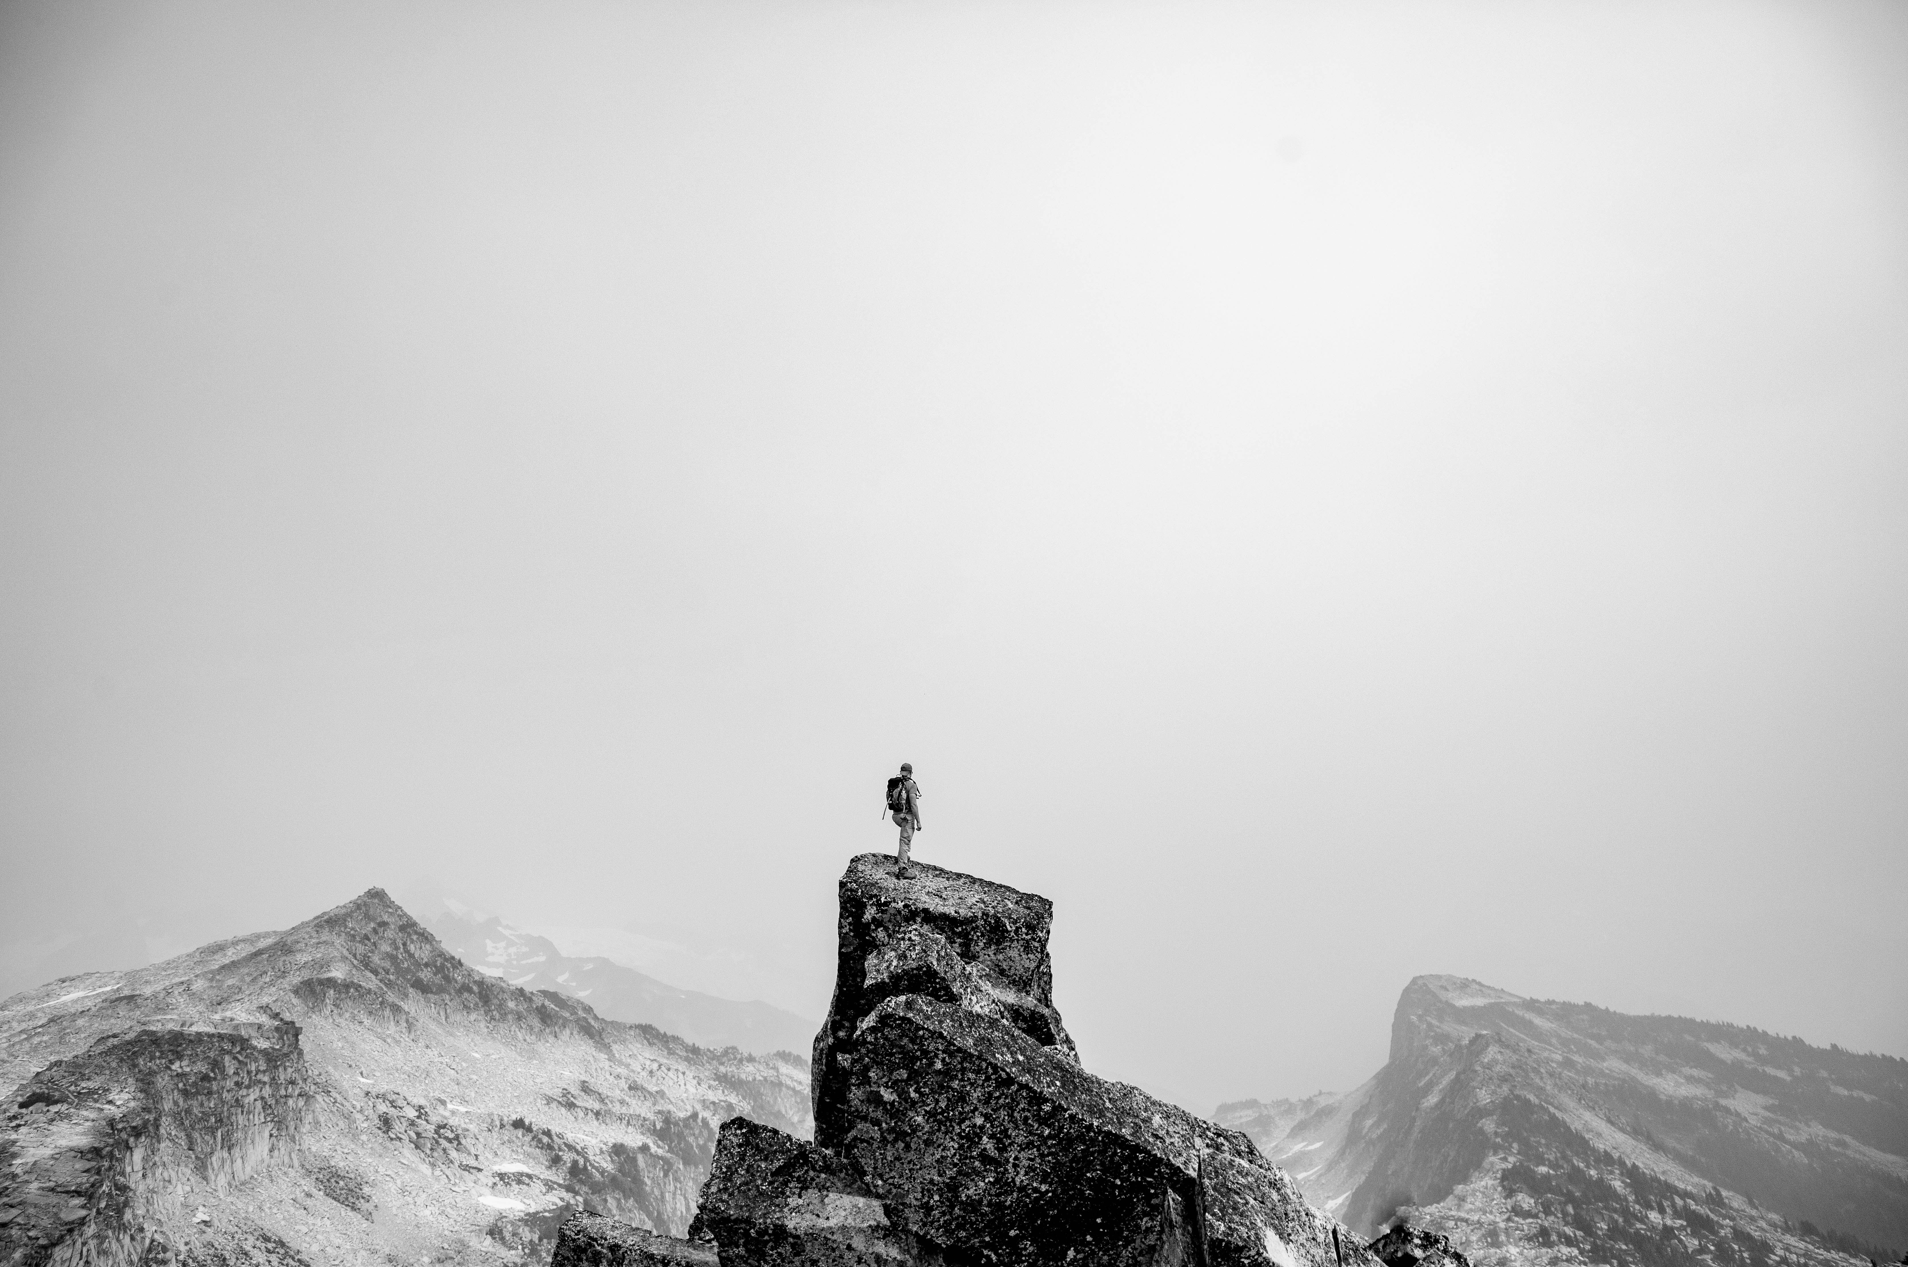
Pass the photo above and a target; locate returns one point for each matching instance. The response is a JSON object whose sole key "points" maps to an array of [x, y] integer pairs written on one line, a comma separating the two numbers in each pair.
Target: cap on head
{"points": [[906, 768]]}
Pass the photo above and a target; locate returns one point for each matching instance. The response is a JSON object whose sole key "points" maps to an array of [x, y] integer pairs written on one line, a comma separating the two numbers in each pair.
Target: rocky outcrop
{"points": [[981, 1139], [954, 1123], [95, 1145], [591, 1240], [985, 1143], [1407, 1246], [775, 1201], [941, 935]]}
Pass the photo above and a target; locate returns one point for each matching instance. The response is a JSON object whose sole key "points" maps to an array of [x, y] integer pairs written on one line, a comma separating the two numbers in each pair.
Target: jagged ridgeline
{"points": [[954, 1124], [346, 1091]]}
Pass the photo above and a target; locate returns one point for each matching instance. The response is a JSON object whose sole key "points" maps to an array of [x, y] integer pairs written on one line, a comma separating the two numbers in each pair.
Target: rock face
{"points": [[986, 1142], [955, 1125], [99, 1149], [774, 1199], [940, 935]]}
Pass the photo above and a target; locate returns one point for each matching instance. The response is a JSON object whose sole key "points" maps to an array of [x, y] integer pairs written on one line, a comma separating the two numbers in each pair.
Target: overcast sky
{"points": [[1324, 493]]}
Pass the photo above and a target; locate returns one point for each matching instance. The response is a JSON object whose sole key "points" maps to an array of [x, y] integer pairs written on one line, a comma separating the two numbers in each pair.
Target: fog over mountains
{"points": [[613, 990]]}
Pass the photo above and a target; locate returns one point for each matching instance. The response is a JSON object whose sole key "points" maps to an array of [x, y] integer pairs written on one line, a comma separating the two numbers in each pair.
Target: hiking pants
{"points": [[906, 823]]}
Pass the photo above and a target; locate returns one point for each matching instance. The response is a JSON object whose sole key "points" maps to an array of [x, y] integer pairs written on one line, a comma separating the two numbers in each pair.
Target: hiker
{"points": [[904, 802]]}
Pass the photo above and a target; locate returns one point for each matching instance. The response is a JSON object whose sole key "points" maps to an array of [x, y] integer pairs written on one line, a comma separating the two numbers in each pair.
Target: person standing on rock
{"points": [[904, 802]]}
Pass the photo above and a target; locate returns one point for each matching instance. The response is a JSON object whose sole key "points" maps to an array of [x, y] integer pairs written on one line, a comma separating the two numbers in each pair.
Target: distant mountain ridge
{"points": [[1267, 1122], [347, 1090], [615, 991], [1536, 1132]]}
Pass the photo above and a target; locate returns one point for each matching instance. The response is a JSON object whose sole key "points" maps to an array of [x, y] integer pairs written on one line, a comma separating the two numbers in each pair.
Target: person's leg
{"points": [[907, 838]]}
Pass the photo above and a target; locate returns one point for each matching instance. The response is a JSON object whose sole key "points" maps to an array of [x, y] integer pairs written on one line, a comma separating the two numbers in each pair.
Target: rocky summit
{"points": [[938, 935], [955, 1123]]}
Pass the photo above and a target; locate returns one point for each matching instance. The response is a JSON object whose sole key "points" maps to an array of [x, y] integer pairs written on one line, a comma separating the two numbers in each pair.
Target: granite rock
{"points": [[937, 934], [776, 1201], [999, 1149]]}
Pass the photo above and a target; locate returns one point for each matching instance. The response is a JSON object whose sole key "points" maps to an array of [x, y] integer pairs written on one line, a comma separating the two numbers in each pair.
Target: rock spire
{"points": [[955, 1125]]}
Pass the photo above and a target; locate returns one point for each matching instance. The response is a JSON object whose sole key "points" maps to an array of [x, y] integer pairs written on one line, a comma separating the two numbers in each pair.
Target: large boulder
{"points": [[772, 1200], [937, 934], [996, 1147], [593, 1240], [1407, 1246]]}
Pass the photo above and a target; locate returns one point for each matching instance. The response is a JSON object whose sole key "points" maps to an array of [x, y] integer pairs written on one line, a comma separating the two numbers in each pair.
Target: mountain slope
{"points": [[1538, 1132], [612, 990], [1266, 1122], [347, 1089]]}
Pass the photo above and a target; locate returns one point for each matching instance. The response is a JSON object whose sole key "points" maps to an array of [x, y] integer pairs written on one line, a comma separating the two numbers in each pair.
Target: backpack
{"points": [[897, 795]]}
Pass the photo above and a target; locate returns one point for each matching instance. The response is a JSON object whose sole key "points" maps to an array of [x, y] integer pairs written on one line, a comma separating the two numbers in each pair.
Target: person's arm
{"points": [[914, 803]]}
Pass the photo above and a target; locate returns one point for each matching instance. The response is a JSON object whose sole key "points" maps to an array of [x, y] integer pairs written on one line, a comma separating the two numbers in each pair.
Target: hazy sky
{"points": [[1324, 493]]}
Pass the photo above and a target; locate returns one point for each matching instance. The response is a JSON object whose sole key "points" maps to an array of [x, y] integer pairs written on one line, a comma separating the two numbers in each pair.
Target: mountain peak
{"points": [[290, 1085], [369, 919], [1461, 991], [373, 903], [1440, 1011]]}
